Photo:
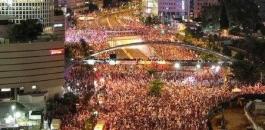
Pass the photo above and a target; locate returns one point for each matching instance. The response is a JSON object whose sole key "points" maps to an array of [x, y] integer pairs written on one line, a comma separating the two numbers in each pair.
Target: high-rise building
{"points": [[150, 7], [174, 8], [77, 6], [37, 67], [199, 4], [19, 10]]}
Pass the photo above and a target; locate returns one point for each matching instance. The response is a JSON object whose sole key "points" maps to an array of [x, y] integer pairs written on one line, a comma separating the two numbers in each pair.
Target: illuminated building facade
{"points": [[150, 7], [174, 9], [77, 6], [36, 67], [19, 10]]}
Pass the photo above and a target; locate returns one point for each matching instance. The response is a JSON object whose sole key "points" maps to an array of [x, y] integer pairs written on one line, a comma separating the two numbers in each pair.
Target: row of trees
{"points": [[250, 65], [150, 20], [26, 31], [239, 15], [59, 106], [114, 3]]}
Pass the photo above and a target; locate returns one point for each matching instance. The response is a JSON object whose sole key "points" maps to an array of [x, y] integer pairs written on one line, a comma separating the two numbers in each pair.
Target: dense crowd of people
{"points": [[171, 52], [186, 98], [78, 79], [128, 105]]}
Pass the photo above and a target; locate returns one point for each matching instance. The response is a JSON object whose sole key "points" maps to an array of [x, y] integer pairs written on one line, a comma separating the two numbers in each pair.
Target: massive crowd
{"points": [[171, 52], [128, 105], [186, 96]]}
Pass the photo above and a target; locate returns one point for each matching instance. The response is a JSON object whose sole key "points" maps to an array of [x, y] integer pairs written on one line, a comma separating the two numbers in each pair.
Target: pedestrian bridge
{"points": [[191, 47]]}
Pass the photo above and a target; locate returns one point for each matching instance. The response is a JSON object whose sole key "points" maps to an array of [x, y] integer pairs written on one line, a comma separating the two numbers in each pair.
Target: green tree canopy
{"points": [[26, 31], [245, 72], [156, 87], [241, 13], [91, 7], [224, 22]]}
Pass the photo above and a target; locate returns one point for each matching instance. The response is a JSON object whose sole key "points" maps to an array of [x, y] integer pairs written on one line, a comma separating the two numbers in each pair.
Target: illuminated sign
{"points": [[57, 51], [5, 89], [58, 25]]}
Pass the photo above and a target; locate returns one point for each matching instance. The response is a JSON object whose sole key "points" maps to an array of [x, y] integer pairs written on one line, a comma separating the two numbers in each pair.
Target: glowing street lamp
{"points": [[13, 107], [213, 67], [217, 69], [17, 114], [90, 61], [177, 65], [198, 66], [112, 62]]}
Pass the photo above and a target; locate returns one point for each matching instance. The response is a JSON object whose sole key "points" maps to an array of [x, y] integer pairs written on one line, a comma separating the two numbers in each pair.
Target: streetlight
{"points": [[217, 69], [17, 114], [198, 66], [177, 65], [90, 61], [112, 62], [34, 87], [13, 107]]}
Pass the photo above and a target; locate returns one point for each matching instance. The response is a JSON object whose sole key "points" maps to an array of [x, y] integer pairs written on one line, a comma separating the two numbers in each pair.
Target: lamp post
{"points": [[13, 108]]}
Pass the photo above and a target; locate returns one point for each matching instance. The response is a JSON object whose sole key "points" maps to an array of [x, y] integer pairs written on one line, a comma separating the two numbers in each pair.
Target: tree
{"points": [[58, 12], [239, 56], [262, 29], [26, 31], [86, 50], [210, 17], [243, 13], [195, 32], [156, 87], [208, 57], [224, 22], [107, 3], [245, 72], [59, 106], [227, 51], [240, 13], [92, 7], [70, 100]]}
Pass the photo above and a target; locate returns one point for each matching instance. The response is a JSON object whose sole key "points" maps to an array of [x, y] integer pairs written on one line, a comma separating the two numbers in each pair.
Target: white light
{"points": [[198, 66], [102, 80], [95, 113], [34, 87], [95, 69], [177, 65], [220, 62], [17, 114], [5, 89], [13, 107], [183, 5], [9, 119], [90, 61], [69, 88], [213, 67], [112, 62], [217, 69], [58, 25], [95, 83]]}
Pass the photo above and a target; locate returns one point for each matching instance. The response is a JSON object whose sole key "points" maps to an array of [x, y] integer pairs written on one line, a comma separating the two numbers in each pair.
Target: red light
{"points": [[57, 51]]}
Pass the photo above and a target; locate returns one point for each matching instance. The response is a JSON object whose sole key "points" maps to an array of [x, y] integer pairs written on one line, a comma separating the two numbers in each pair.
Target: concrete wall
{"points": [[25, 65]]}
